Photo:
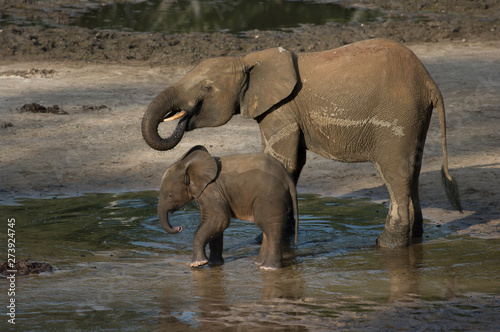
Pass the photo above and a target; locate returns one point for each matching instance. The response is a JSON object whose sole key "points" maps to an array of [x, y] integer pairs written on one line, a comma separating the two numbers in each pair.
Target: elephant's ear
{"points": [[201, 169], [271, 78], [194, 148]]}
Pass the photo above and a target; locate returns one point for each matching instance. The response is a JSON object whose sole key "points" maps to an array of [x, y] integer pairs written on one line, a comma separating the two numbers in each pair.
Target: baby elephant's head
{"points": [[183, 181]]}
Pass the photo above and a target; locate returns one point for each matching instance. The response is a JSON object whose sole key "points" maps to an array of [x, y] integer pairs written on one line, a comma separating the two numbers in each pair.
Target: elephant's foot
{"points": [[268, 260], [393, 240], [199, 263], [417, 231], [266, 264], [215, 257], [259, 261], [261, 258], [268, 268], [215, 262]]}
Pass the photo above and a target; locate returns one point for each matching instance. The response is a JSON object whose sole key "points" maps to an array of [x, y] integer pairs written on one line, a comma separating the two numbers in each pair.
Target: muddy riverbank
{"points": [[54, 39]]}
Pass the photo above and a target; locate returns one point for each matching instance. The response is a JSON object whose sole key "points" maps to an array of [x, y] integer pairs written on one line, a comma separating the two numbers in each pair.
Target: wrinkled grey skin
{"points": [[252, 187], [368, 101]]}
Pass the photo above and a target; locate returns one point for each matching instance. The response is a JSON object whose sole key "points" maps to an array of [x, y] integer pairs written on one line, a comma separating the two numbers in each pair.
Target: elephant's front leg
{"points": [[215, 218], [199, 243], [281, 138]]}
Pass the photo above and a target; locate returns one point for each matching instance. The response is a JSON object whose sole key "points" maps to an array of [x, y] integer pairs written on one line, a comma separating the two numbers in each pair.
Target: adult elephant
{"points": [[368, 101]]}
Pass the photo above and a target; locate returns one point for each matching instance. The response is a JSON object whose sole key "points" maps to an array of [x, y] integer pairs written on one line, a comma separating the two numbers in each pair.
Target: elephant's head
{"points": [[217, 88], [183, 181]]}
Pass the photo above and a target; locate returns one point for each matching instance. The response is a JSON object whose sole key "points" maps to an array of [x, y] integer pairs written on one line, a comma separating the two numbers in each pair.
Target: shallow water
{"points": [[115, 268], [206, 15], [213, 16]]}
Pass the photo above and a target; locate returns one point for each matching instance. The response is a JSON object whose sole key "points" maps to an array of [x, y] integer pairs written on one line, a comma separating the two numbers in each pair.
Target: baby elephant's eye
{"points": [[170, 195]]}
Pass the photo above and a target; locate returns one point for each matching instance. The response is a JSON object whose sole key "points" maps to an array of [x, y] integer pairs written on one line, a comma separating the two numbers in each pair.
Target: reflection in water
{"points": [[283, 284], [403, 266], [214, 16], [210, 304], [206, 298], [115, 267]]}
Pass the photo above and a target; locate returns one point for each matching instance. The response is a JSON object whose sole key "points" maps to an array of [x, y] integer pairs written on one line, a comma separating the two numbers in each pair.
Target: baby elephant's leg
{"points": [[274, 252], [199, 254], [205, 232], [214, 220], [216, 245], [263, 251], [271, 252]]}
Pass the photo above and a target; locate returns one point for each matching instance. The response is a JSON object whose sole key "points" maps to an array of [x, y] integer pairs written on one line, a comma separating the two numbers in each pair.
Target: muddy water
{"points": [[115, 268], [214, 16]]}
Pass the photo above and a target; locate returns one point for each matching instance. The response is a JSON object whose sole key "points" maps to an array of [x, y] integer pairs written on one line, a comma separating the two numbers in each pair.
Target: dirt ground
{"points": [[98, 83]]}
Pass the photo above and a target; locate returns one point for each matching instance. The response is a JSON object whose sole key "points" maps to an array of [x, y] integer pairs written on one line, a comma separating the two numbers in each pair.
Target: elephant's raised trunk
{"points": [[164, 107], [163, 216]]}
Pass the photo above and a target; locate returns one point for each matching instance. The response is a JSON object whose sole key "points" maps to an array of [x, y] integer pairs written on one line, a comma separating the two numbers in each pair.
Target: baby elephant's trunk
{"points": [[163, 216]]}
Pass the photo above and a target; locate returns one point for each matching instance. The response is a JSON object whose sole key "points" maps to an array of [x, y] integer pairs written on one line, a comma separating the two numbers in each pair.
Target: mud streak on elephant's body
{"points": [[284, 139]]}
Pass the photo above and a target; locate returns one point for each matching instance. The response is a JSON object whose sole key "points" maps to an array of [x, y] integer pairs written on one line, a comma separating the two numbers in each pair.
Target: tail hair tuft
{"points": [[451, 189]]}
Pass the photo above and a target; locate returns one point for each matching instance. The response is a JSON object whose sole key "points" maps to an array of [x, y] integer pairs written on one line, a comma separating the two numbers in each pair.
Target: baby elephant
{"points": [[252, 187]]}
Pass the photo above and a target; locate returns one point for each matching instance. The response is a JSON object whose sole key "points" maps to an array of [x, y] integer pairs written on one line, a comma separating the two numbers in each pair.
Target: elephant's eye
{"points": [[207, 86]]}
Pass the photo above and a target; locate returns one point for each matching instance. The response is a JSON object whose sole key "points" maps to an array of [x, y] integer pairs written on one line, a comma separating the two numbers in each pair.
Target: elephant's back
{"points": [[257, 170], [365, 95], [364, 57], [252, 162], [250, 179]]}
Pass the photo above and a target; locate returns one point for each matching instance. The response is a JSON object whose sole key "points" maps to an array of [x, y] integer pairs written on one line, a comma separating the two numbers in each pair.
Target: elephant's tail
{"points": [[450, 185], [293, 194]]}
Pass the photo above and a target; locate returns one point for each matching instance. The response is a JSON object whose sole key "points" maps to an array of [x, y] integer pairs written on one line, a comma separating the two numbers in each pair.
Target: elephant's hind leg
{"points": [[397, 225], [417, 220], [263, 251], [271, 251]]}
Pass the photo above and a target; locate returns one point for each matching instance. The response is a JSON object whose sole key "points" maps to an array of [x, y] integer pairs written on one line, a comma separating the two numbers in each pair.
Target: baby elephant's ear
{"points": [[201, 169]]}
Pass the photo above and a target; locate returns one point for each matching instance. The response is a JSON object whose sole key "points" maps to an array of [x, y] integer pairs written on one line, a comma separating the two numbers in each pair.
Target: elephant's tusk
{"points": [[175, 117]]}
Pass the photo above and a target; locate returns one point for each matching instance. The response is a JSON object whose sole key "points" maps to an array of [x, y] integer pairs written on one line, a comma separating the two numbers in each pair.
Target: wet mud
{"points": [[55, 109], [23, 267], [30, 73], [37, 108]]}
